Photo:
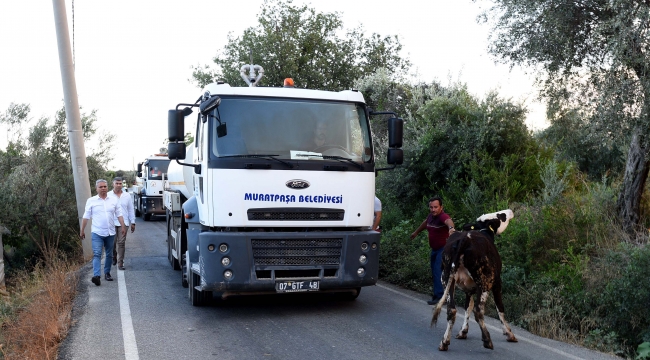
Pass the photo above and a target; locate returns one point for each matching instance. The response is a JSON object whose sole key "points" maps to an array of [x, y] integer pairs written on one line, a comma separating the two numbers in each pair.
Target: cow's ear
{"points": [[502, 216]]}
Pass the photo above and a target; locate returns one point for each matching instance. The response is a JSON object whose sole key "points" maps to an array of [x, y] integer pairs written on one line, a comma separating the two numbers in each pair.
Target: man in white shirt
{"points": [[101, 208], [128, 213]]}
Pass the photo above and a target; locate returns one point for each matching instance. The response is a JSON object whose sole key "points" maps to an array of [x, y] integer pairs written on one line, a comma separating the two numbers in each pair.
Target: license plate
{"points": [[297, 286]]}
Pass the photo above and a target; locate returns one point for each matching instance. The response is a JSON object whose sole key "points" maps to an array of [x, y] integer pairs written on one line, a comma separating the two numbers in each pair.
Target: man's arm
{"points": [[82, 233], [121, 220], [375, 225], [419, 229], [450, 223], [131, 213]]}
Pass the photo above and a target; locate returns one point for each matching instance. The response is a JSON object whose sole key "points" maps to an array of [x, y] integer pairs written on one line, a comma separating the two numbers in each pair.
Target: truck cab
{"points": [[147, 192], [276, 192]]}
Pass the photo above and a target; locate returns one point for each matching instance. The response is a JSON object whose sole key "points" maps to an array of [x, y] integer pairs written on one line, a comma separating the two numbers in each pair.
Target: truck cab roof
{"points": [[298, 93]]}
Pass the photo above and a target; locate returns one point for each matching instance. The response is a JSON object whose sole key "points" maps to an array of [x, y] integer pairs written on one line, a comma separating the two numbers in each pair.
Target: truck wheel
{"points": [[146, 217], [198, 298], [170, 256], [184, 270]]}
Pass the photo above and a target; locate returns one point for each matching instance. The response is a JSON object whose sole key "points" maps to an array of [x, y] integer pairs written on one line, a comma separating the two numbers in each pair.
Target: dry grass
{"points": [[39, 312]]}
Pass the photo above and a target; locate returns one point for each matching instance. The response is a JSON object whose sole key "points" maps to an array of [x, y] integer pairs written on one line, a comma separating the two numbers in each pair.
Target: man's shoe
{"points": [[108, 277], [121, 267], [96, 280], [114, 262], [433, 301]]}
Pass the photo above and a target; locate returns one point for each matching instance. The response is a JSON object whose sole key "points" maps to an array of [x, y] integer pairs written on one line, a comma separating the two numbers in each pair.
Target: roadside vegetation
{"points": [[42, 250], [576, 256]]}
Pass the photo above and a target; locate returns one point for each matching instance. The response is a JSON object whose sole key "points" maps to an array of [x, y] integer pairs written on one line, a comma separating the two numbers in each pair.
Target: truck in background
{"points": [[147, 192], [276, 193]]}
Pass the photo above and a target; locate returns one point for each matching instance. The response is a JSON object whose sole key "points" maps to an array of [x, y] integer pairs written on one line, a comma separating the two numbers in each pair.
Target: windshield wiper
{"points": [[260, 156], [333, 157]]}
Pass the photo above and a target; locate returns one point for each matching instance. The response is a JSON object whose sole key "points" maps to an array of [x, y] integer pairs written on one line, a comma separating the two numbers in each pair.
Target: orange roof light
{"points": [[288, 82]]}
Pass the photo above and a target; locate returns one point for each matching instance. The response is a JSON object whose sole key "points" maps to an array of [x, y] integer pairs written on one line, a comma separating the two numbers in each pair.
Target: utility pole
{"points": [[73, 118]]}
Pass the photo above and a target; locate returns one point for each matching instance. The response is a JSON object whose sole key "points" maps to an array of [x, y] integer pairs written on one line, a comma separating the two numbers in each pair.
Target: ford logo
{"points": [[297, 184]]}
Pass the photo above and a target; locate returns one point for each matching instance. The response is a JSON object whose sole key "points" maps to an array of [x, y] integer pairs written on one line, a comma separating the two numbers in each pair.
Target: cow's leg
{"points": [[498, 301], [469, 306], [480, 314], [451, 316]]}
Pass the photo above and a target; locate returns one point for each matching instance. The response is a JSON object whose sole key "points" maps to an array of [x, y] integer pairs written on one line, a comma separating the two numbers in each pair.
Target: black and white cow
{"points": [[471, 261]]}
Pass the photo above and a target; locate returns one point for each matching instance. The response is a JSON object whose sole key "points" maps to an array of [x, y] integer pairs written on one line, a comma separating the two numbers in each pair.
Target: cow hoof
{"points": [[488, 345], [512, 338], [462, 335], [443, 347]]}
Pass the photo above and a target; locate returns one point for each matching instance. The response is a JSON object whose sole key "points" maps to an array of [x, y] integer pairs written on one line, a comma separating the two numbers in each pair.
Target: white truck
{"points": [[276, 193], [147, 192]]}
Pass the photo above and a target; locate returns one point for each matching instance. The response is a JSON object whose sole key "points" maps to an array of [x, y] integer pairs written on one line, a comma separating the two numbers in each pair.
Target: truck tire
{"points": [[198, 298], [184, 271], [170, 256]]}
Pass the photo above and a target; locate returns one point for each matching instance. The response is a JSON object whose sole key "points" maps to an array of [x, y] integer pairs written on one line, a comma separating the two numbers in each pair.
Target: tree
{"points": [[303, 44], [591, 54]]}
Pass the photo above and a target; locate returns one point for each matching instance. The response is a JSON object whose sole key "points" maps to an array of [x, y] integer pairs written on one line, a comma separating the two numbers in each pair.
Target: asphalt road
{"points": [[146, 314]]}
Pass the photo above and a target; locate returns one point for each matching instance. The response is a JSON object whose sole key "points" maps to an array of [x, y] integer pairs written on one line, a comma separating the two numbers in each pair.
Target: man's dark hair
{"points": [[117, 178], [435, 198]]}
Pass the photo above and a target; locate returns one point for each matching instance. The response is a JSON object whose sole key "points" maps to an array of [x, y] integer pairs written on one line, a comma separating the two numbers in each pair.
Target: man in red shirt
{"points": [[439, 225]]}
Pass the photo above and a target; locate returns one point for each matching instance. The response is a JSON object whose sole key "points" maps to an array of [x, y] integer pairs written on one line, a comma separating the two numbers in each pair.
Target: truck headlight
{"points": [[363, 259], [223, 248], [225, 261], [364, 246], [361, 272], [227, 275]]}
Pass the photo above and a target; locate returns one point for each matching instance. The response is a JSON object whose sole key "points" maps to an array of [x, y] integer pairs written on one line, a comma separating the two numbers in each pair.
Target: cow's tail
{"points": [[441, 302]]}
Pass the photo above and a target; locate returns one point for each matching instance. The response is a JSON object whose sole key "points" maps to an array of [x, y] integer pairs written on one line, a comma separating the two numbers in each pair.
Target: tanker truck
{"points": [[147, 192], [276, 193]]}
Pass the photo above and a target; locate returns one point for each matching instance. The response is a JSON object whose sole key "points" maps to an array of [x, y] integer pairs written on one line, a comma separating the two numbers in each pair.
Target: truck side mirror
{"points": [[176, 125], [176, 151], [395, 156], [395, 132], [210, 104], [139, 174], [139, 168]]}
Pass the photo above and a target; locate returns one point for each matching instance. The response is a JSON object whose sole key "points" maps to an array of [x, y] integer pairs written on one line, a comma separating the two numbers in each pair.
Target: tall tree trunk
{"points": [[636, 174]]}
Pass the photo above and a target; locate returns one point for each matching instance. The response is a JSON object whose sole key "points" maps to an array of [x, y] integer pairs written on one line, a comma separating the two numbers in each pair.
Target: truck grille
{"points": [[296, 214], [297, 251]]}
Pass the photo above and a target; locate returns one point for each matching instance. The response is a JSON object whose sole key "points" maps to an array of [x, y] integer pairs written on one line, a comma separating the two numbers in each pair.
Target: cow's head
{"points": [[503, 216]]}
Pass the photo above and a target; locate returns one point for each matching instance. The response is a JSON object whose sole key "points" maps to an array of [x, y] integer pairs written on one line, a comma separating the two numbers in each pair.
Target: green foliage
{"points": [[643, 351], [595, 152], [405, 261], [306, 45]]}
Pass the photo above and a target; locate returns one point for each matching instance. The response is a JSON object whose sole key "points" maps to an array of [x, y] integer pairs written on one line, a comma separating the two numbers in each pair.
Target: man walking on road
{"points": [[439, 225], [101, 208], [128, 213]]}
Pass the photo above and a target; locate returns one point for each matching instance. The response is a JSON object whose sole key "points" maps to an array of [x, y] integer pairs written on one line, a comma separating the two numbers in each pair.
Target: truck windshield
{"points": [[156, 168], [290, 128]]}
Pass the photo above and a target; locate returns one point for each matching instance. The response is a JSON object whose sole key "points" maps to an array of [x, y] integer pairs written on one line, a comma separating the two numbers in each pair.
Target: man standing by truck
{"points": [[126, 203], [439, 225], [101, 208]]}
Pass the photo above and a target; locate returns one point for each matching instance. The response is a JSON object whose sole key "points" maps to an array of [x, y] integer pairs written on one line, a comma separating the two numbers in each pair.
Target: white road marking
{"points": [[494, 328], [130, 346]]}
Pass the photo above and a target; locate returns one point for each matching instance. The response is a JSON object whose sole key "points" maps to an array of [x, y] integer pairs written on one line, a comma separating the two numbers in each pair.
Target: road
{"points": [[146, 314]]}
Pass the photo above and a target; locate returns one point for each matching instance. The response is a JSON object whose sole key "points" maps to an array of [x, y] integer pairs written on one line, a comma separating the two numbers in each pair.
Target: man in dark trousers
{"points": [[439, 225]]}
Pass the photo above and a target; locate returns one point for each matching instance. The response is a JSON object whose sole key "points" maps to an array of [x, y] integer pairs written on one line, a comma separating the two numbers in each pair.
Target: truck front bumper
{"points": [[257, 261], [153, 205]]}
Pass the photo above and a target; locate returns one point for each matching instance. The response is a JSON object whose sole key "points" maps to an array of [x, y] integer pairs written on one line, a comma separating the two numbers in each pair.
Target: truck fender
{"points": [[191, 207]]}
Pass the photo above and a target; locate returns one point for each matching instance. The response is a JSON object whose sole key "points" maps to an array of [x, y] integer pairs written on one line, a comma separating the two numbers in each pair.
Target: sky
{"points": [[133, 59]]}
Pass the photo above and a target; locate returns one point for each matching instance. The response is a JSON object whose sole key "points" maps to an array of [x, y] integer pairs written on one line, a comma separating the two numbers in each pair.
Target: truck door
{"points": [[201, 180]]}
